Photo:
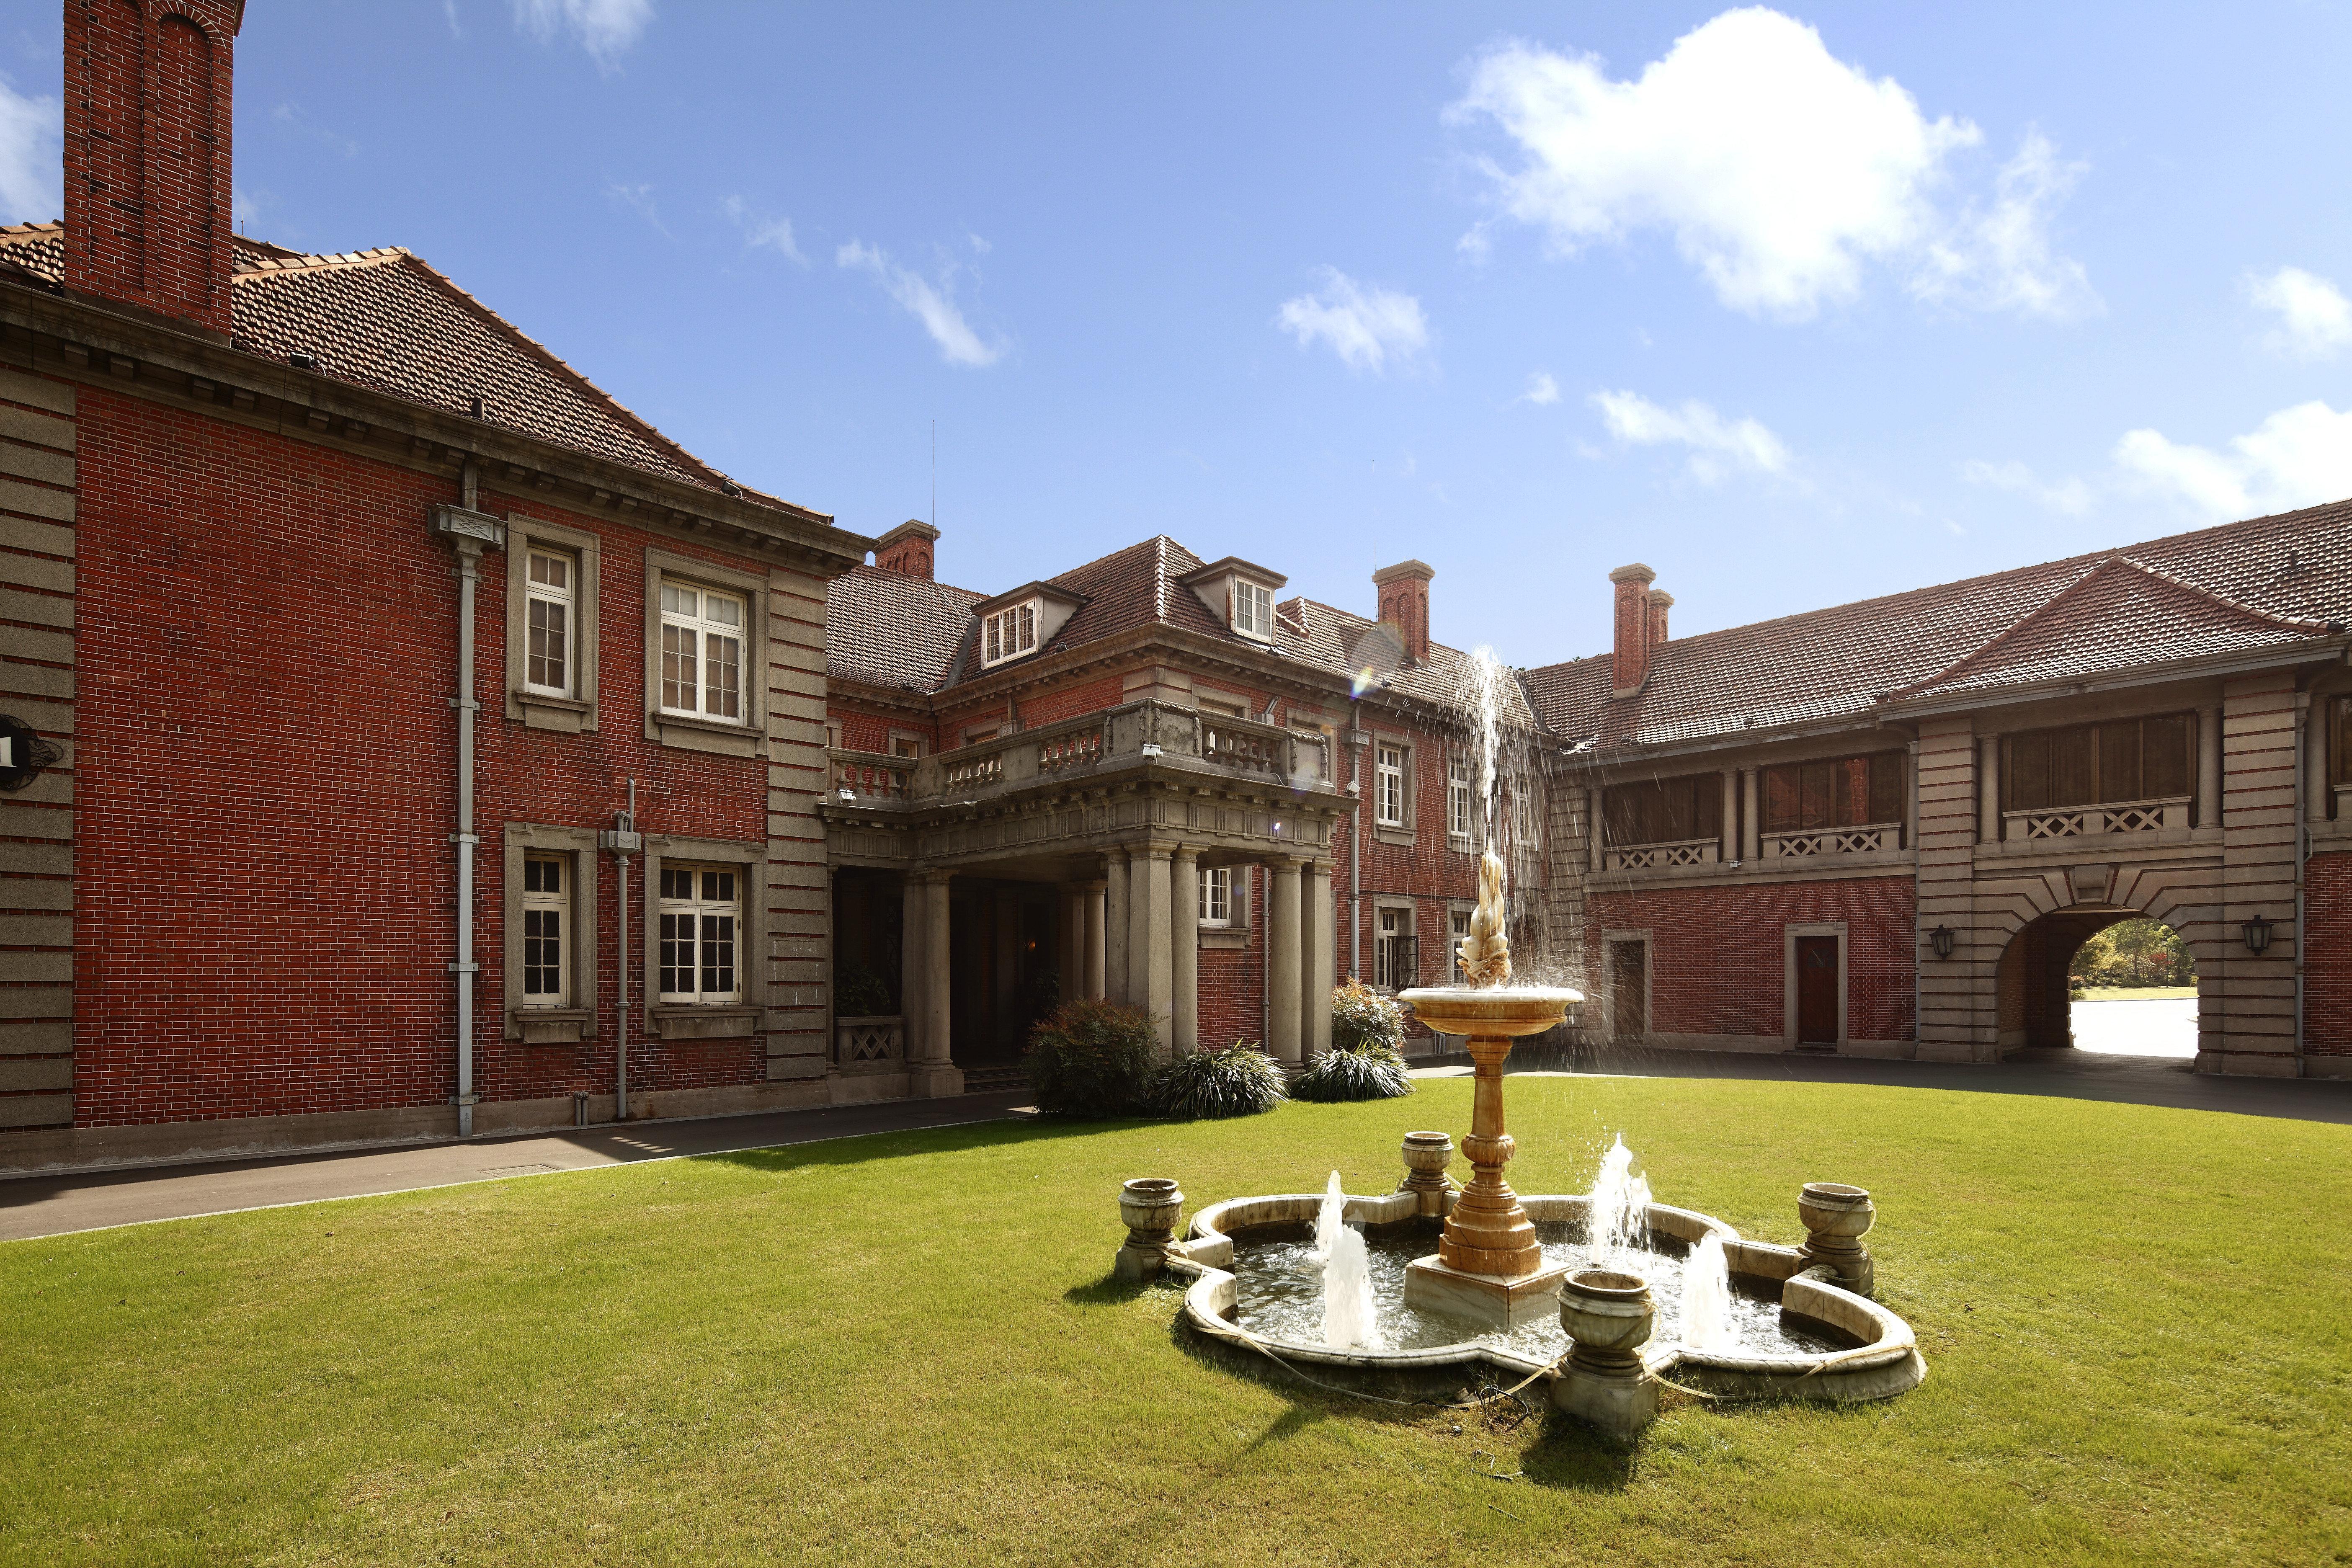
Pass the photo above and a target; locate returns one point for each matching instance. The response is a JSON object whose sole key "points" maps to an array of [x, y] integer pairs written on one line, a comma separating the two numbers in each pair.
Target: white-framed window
{"points": [[701, 652], [701, 928], [1253, 610], [550, 594], [1216, 896], [546, 909], [1457, 795], [1396, 951], [1387, 785], [1457, 932], [1009, 633]]}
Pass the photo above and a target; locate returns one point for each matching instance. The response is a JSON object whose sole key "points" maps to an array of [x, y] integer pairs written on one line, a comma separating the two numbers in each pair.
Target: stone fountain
{"points": [[1488, 1267]]}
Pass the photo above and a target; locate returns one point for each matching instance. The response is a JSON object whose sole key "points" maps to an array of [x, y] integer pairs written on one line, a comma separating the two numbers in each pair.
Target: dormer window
{"points": [[1009, 633], [1253, 609]]}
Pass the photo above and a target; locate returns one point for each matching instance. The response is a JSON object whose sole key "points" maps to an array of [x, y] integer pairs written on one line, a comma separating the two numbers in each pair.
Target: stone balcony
{"points": [[1830, 843], [1667, 856], [2025, 829], [1222, 782]]}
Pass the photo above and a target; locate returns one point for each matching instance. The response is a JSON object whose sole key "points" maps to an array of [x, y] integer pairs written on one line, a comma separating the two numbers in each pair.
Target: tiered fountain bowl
{"points": [[1488, 1268]]}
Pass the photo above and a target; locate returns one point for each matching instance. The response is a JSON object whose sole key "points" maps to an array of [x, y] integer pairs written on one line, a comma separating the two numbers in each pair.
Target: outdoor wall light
{"points": [[1943, 939], [2257, 933]]}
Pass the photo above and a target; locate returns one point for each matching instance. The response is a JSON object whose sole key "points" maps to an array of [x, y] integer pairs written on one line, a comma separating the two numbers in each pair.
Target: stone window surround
{"points": [[922, 743], [539, 709], [1235, 932], [739, 1019], [1392, 832], [551, 1026], [1789, 975], [1610, 938], [698, 735], [1461, 842]]}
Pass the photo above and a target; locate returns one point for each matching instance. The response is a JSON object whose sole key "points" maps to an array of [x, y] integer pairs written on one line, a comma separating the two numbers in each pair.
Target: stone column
{"points": [[934, 1074], [1150, 973], [1093, 967], [1282, 935], [1730, 827], [1115, 923], [1989, 789], [2208, 766], [1594, 834], [1070, 940], [913, 966], [1184, 951], [1751, 820], [1323, 964]]}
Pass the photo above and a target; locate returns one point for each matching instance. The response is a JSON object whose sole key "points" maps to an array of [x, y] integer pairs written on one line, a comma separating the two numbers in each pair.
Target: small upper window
{"points": [[1217, 896], [1009, 633], [1253, 610], [1458, 795], [701, 652], [1388, 785], [549, 591]]}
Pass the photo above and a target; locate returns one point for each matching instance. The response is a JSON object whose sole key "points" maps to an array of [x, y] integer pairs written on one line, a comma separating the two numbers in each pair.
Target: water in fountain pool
{"points": [[1282, 1297], [1620, 1206], [1707, 1296]]}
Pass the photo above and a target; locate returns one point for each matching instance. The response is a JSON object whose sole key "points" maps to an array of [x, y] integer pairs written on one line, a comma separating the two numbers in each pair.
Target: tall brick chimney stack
{"points": [[147, 154], [1636, 620], [1660, 602], [1404, 605], [906, 550]]}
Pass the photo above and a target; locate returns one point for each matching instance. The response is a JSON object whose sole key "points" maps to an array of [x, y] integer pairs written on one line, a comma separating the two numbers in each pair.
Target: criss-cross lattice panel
{"points": [[2135, 819], [869, 1042], [2056, 825]]}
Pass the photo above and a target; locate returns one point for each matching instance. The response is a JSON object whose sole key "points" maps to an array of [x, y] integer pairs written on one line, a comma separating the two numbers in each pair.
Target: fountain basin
{"points": [[1868, 1353], [1496, 1012]]}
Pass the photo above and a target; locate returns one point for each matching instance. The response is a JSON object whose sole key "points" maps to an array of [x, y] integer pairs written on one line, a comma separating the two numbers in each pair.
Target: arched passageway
{"points": [[2037, 986]]}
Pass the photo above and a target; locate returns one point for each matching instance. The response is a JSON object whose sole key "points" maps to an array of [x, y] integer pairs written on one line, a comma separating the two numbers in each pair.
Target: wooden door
{"points": [[1817, 991], [1628, 980]]}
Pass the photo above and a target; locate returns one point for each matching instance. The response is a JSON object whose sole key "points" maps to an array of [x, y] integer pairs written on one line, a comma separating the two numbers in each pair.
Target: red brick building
{"points": [[247, 497]]}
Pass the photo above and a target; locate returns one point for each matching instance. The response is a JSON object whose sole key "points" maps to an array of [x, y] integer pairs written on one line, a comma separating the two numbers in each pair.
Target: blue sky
{"points": [[1796, 306]]}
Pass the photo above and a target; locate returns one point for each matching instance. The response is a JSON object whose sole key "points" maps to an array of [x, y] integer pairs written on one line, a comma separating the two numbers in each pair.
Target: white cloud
{"points": [[2315, 318], [639, 199], [931, 304], [607, 29], [1781, 171], [980, 245], [449, 11], [32, 157], [2298, 457], [1714, 441], [1367, 327], [768, 233], [1541, 388], [2070, 498]]}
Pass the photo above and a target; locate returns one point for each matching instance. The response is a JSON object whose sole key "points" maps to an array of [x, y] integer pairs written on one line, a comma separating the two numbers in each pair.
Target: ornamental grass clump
{"points": [[1092, 1060], [1362, 1017], [1353, 1072], [1207, 1084]]}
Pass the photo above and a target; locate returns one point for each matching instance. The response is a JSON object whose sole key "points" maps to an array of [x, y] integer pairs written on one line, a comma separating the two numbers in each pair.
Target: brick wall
{"points": [[2327, 979], [1718, 955]]}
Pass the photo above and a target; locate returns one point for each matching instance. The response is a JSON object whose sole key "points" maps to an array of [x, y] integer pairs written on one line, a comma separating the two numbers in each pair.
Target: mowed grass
{"points": [[906, 1348]]}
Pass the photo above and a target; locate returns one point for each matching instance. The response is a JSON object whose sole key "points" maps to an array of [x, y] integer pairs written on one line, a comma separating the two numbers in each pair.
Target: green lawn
{"points": [[905, 1349]]}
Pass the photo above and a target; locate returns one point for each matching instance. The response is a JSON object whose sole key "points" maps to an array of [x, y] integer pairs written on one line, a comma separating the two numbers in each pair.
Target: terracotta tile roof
{"points": [[1328, 637], [1841, 662], [388, 320], [886, 629]]}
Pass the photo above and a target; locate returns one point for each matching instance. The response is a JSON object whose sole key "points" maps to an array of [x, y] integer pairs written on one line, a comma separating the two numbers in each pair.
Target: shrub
{"points": [[1351, 1072], [858, 992], [1091, 1060], [1362, 1017], [1241, 1081]]}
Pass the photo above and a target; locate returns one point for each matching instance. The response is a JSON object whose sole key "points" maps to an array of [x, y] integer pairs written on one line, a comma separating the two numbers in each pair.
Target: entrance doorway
{"points": [[2106, 981], [1001, 968], [1817, 992], [1629, 990]]}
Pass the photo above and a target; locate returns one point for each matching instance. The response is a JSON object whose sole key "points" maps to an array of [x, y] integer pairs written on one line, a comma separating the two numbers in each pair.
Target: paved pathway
{"points": [[48, 1204], [2069, 1074], [2137, 1026]]}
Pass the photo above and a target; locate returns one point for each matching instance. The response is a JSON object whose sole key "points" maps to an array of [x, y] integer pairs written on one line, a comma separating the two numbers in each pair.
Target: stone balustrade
{"points": [[2167, 815], [1825, 843], [1664, 857], [864, 776], [875, 1042]]}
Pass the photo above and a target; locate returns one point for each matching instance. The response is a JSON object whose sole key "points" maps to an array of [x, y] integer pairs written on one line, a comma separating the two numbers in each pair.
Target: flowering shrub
{"points": [[1362, 1017]]}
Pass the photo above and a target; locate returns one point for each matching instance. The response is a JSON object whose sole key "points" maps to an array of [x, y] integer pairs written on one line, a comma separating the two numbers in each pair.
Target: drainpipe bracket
{"points": [[465, 1100], [465, 969], [468, 839]]}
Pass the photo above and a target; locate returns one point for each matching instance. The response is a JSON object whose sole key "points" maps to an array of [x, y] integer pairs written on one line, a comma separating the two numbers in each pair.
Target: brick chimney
{"points": [[906, 550], [1660, 602], [1636, 623], [147, 154], [1404, 605]]}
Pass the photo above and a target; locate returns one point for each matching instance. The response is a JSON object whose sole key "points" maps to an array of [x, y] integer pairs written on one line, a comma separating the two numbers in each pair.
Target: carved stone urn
{"points": [[1837, 1217], [1426, 1155], [1149, 1206], [1605, 1383]]}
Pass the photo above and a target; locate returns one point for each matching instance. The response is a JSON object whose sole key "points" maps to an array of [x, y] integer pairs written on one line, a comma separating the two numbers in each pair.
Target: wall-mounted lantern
{"points": [[1943, 939], [2257, 933]]}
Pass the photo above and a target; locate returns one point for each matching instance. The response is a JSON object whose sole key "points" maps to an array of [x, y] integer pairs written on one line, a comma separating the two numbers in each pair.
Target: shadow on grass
{"points": [[859, 1148], [1111, 1290]]}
